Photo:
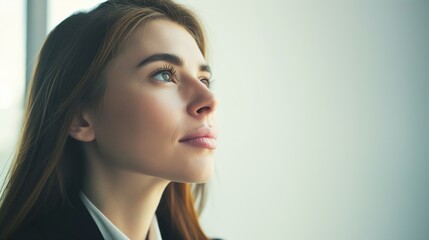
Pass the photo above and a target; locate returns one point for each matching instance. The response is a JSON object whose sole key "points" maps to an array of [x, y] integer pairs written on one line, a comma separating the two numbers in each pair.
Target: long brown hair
{"points": [[48, 165]]}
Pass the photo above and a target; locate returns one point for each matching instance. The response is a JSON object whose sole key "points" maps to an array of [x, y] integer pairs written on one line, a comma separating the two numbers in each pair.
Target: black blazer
{"points": [[68, 222], [71, 221]]}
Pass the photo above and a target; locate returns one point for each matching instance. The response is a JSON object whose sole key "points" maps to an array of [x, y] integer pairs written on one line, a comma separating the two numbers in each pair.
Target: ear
{"points": [[82, 128]]}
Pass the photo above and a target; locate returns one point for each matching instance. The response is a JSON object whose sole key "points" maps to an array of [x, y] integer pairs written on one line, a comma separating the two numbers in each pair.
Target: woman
{"points": [[119, 122]]}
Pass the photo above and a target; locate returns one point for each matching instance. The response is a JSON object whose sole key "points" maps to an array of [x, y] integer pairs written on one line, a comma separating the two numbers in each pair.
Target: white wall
{"points": [[323, 117], [12, 78]]}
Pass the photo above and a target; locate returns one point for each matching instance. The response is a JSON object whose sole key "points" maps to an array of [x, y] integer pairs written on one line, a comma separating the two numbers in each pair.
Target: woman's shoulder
{"points": [[29, 232], [65, 222]]}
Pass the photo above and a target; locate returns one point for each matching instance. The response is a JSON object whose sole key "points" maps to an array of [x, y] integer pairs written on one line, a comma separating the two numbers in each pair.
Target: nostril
{"points": [[202, 109]]}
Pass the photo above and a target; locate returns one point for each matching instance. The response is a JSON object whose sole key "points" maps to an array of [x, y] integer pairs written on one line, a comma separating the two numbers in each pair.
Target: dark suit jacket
{"points": [[67, 223]]}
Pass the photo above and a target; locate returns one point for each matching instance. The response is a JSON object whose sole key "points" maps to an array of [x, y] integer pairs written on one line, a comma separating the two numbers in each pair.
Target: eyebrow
{"points": [[171, 58]]}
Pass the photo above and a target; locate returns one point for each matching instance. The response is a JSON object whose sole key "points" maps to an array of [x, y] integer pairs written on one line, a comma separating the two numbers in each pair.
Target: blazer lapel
{"points": [[71, 221]]}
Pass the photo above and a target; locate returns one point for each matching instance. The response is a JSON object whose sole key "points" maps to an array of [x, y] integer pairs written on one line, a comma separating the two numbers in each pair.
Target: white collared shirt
{"points": [[109, 230]]}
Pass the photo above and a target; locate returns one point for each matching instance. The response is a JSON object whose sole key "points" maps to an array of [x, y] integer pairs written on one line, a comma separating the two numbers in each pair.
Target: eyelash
{"points": [[172, 71], [166, 68]]}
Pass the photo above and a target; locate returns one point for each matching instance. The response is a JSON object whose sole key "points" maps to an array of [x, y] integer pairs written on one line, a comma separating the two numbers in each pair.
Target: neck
{"points": [[128, 199]]}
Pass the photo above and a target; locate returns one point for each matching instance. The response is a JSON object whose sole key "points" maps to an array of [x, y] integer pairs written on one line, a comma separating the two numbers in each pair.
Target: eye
{"points": [[164, 74], [207, 82]]}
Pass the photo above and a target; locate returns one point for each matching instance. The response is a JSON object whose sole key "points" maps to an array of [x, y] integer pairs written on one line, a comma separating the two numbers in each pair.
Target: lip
{"points": [[203, 137]]}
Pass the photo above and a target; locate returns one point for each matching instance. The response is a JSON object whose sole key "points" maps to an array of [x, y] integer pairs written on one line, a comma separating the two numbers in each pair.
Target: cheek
{"points": [[139, 131], [139, 127]]}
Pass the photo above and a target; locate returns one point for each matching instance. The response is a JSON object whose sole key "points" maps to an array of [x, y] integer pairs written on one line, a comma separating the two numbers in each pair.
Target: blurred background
{"points": [[323, 115]]}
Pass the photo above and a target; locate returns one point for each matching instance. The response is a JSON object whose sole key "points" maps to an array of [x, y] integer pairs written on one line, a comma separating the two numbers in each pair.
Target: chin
{"points": [[197, 178], [199, 175]]}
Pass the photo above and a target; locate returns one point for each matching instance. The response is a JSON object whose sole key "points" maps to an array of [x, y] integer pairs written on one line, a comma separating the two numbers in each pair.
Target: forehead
{"points": [[163, 36]]}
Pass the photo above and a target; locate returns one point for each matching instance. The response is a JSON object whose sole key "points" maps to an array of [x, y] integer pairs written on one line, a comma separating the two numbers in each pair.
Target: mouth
{"points": [[203, 137], [202, 142]]}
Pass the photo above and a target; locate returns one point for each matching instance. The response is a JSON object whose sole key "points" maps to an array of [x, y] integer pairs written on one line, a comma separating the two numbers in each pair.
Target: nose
{"points": [[203, 101]]}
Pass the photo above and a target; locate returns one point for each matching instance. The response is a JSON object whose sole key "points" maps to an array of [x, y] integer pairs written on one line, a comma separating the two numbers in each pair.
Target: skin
{"points": [[132, 144]]}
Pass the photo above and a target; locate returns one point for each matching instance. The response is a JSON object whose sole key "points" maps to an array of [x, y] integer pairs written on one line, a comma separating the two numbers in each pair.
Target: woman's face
{"points": [[156, 95]]}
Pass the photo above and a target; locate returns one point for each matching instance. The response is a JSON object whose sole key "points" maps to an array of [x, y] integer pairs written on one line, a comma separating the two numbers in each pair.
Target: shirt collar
{"points": [[109, 230]]}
